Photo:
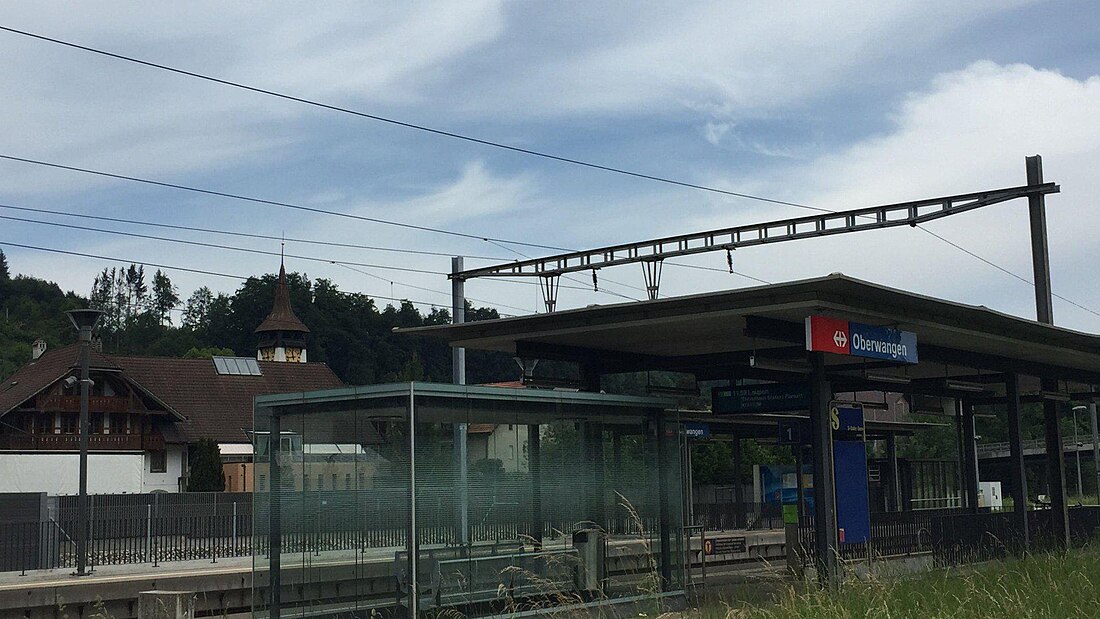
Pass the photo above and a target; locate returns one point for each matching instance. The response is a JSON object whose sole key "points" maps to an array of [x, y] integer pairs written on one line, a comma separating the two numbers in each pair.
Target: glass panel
{"points": [[561, 503]]}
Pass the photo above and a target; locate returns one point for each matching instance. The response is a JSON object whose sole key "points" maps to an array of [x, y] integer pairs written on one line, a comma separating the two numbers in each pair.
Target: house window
{"points": [[118, 423], [333, 481], [511, 452], [362, 480], [43, 424], [320, 481], [158, 461], [96, 423], [70, 423], [263, 482], [347, 481]]}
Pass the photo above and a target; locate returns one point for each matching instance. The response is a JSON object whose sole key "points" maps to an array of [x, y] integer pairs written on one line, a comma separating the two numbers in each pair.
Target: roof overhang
{"points": [[954, 339]]}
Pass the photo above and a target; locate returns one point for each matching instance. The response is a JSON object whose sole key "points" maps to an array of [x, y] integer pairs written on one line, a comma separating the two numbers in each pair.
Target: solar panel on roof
{"points": [[237, 366]]}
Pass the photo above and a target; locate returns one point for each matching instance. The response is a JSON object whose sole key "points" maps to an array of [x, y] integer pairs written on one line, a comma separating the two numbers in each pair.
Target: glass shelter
{"points": [[418, 497]]}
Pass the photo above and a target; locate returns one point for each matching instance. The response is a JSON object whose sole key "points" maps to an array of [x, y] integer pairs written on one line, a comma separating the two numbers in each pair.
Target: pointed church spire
{"points": [[281, 335]]}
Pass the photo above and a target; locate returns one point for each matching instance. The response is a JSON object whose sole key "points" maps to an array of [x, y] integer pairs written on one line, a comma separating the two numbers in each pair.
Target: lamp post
{"points": [[1095, 442], [84, 321]]}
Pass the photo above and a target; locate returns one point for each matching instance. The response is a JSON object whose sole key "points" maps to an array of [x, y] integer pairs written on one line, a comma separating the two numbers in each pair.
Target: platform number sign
{"points": [[790, 432]]}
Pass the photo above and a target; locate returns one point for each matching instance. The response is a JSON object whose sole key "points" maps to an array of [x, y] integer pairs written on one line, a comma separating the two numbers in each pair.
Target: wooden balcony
{"points": [[71, 442], [96, 404]]}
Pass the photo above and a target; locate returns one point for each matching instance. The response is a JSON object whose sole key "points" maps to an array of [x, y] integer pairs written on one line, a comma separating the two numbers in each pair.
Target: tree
{"points": [[5, 275], [206, 468], [196, 313], [165, 297], [208, 352]]}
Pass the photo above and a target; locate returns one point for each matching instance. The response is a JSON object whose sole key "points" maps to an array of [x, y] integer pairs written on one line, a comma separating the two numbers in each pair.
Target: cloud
{"points": [[86, 110], [969, 130], [715, 131]]}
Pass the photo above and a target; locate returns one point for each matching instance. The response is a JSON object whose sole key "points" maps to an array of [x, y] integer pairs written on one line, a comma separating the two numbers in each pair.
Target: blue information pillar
{"points": [[853, 513]]}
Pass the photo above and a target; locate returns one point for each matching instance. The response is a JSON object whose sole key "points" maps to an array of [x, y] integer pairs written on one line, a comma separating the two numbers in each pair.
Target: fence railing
{"points": [[892, 534], [734, 516], [157, 528], [969, 537]]}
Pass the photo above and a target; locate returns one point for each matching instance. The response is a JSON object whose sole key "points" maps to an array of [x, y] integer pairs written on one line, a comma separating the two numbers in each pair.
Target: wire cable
{"points": [[267, 237], [289, 205], [400, 123], [220, 246], [441, 292], [170, 267], [453, 135]]}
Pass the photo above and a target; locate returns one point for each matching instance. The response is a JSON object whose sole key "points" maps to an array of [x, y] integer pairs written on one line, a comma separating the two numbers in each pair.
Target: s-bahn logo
{"points": [[841, 337]]}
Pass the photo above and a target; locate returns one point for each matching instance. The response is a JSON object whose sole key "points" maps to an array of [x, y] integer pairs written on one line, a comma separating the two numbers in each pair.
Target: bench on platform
{"points": [[430, 556], [506, 576]]}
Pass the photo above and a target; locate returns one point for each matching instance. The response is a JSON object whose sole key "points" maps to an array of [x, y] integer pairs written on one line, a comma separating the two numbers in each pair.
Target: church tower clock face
{"points": [[267, 354], [294, 355]]}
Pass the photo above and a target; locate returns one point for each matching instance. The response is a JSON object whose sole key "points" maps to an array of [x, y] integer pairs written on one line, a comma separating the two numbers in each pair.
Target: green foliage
{"points": [[206, 468], [1047, 585], [207, 352], [488, 468], [30, 309], [349, 331], [5, 274]]}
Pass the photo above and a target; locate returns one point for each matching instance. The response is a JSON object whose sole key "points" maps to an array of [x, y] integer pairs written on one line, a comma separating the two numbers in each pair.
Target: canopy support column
{"points": [[825, 533], [1056, 468], [663, 516], [1017, 469], [534, 465], [893, 498], [970, 453]]}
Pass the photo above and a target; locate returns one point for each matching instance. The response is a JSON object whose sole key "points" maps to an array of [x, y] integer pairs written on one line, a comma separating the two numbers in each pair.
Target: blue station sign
{"points": [[697, 430], [843, 337]]}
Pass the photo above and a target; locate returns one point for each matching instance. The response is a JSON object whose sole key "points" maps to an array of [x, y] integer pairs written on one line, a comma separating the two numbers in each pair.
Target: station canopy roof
{"points": [[714, 335]]}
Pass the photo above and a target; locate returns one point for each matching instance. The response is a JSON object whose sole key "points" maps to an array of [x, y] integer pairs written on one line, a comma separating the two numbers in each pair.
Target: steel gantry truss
{"points": [[652, 253]]}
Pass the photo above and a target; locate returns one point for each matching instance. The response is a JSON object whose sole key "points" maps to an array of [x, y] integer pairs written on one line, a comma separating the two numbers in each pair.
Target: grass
{"points": [[1046, 585]]}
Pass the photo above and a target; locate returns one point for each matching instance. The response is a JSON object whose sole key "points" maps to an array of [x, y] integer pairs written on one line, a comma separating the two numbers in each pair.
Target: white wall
{"points": [[167, 481], [59, 473]]}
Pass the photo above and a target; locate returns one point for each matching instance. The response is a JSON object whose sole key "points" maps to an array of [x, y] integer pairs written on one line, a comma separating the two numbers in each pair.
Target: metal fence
{"points": [[158, 528], [892, 534], [970, 537], [734, 516]]}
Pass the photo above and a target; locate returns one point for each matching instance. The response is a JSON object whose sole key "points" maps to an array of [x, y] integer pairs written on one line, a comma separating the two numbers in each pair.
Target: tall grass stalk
{"points": [[1053, 585]]}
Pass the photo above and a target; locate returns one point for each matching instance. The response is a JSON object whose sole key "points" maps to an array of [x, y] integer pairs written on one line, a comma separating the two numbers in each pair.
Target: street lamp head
{"points": [[1080, 408], [84, 318]]}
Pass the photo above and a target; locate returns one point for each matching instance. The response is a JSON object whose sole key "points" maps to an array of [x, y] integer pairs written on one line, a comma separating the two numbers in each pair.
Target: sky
{"points": [[832, 104]]}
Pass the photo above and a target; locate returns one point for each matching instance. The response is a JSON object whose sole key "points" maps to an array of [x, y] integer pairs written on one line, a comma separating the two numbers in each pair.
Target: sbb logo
{"points": [[840, 338]]}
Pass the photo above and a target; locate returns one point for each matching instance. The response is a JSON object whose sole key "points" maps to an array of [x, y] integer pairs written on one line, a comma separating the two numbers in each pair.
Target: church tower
{"points": [[281, 336]]}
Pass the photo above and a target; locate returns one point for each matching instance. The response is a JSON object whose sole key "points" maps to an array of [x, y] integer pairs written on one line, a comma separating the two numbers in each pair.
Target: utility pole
{"points": [[458, 376], [84, 321], [1044, 313]]}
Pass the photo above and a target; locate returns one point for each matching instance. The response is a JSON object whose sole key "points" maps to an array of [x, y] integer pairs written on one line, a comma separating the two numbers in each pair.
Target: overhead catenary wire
{"points": [[169, 267], [268, 237], [220, 246], [249, 250], [288, 205], [400, 123], [425, 289], [456, 136]]}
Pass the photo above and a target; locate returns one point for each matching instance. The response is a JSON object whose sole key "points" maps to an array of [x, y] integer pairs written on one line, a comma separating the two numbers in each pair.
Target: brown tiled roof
{"points": [[219, 406], [52, 366], [214, 406], [481, 428], [282, 316]]}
